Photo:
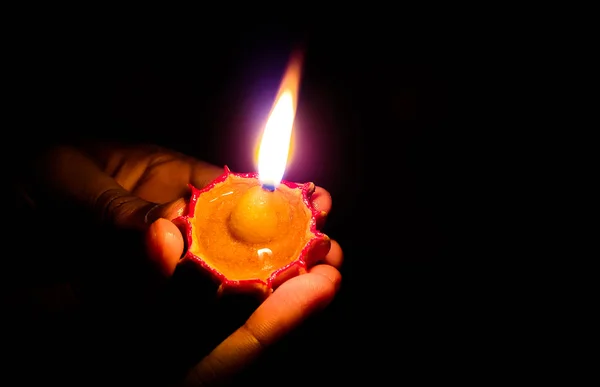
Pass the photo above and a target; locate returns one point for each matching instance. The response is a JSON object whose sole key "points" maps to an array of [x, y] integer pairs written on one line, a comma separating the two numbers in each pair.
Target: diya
{"points": [[253, 231]]}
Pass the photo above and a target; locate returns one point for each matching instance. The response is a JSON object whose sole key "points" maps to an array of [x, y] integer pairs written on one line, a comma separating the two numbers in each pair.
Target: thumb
{"points": [[164, 244], [164, 241]]}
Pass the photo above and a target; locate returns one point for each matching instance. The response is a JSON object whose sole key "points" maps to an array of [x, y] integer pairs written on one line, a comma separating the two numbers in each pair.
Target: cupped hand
{"points": [[143, 188], [154, 184]]}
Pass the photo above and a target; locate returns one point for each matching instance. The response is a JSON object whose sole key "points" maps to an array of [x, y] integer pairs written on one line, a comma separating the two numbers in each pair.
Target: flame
{"points": [[274, 149]]}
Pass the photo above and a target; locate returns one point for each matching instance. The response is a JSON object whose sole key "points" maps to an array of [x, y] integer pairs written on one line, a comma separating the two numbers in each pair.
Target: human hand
{"points": [[143, 188]]}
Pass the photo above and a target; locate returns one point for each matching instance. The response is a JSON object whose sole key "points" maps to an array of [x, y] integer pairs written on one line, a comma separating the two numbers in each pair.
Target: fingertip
{"points": [[292, 302], [168, 211], [321, 200], [335, 256], [331, 273], [165, 245], [312, 291]]}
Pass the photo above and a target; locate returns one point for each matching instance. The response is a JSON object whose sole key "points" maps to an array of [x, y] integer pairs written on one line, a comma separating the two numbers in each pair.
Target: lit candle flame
{"points": [[274, 147]]}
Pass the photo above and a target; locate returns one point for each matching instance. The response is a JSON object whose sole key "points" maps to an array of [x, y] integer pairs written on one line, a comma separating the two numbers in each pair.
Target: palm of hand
{"points": [[150, 175]]}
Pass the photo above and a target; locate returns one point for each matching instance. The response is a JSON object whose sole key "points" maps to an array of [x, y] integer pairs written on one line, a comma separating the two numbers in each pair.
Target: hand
{"points": [[141, 189]]}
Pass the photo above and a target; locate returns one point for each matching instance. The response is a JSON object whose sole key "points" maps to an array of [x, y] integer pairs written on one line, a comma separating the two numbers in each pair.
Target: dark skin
{"points": [[140, 189]]}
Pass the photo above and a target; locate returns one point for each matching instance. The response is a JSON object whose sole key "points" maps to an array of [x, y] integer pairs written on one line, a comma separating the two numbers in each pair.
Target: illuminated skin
{"points": [[143, 188], [107, 180], [259, 216]]}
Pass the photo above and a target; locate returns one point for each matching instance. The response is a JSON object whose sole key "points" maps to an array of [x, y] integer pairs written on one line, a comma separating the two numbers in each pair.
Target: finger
{"points": [[125, 210], [164, 244], [321, 200], [285, 309], [170, 210], [328, 272], [335, 256], [118, 207], [203, 173], [72, 177]]}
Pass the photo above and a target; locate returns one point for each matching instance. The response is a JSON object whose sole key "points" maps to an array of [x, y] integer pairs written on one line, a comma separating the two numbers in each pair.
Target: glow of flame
{"points": [[274, 149]]}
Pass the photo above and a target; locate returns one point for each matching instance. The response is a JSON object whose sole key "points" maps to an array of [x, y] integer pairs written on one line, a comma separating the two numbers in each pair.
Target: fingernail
{"points": [[148, 218]]}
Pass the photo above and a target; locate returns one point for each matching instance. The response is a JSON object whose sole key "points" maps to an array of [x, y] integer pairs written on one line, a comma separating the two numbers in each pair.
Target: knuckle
{"points": [[115, 206]]}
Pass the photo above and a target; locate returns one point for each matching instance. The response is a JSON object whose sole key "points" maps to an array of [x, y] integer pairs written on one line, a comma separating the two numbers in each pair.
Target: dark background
{"points": [[379, 124]]}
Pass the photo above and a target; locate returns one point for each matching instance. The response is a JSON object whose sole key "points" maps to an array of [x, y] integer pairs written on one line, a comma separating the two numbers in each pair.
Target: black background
{"points": [[379, 124]]}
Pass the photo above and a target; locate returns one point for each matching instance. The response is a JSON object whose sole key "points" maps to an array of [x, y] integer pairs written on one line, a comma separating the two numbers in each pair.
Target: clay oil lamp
{"points": [[253, 231]]}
